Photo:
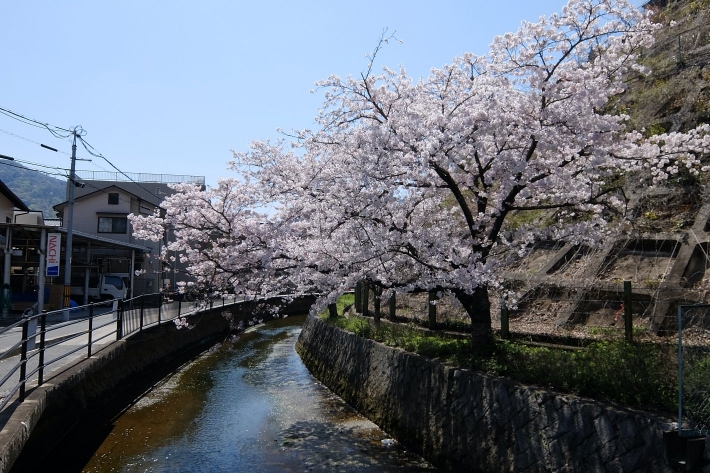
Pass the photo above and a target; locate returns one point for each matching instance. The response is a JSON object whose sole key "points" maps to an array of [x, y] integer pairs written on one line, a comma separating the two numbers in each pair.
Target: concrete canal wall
{"points": [[463, 421], [51, 409]]}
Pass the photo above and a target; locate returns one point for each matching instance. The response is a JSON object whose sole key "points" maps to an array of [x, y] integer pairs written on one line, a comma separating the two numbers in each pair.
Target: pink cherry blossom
{"points": [[412, 184]]}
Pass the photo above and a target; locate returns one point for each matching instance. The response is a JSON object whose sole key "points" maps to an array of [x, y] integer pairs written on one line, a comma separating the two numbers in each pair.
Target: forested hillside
{"points": [[39, 191], [675, 96]]}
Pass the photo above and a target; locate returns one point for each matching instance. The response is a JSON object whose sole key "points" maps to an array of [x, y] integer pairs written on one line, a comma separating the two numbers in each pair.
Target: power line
{"points": [[15, 135], [77, 132], [11, 164], [41, 165], [92, 151], [54, 130]]}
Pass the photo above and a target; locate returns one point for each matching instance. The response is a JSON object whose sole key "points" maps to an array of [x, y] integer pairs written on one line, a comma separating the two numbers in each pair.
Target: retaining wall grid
{"points": [[460, 420]]}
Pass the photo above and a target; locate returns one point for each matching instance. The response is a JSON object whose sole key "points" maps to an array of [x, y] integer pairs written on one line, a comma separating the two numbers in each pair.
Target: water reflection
{"points": [[251, 408]]}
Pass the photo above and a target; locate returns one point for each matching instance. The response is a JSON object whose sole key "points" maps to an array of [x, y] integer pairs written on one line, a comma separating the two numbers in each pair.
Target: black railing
{"points": [[57, 341], [53, 339]]}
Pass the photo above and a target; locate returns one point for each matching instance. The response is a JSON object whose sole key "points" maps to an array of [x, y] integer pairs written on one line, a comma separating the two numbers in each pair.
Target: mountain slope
{"points": [[676, 95], [39, 191]]}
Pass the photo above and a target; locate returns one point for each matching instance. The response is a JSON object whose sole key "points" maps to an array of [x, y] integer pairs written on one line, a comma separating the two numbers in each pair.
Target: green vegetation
{"points": [[343, 301], [633, 374], [639, 375], [38, 191], [409, 339], [520, 218], [674, 96]]}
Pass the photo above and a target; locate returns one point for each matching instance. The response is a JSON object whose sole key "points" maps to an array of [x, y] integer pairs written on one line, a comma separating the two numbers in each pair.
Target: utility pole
{"points": [[70, 228]]}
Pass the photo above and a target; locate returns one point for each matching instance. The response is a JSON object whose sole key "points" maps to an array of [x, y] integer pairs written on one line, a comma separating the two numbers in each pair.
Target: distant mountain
{"points": [[38, 191]]}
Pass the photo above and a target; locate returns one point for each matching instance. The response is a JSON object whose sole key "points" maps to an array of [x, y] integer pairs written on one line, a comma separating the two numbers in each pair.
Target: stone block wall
{"points": [[464, 421]]}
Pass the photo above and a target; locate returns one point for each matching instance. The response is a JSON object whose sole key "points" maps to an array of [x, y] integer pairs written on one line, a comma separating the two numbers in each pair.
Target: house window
{"points": [[113, 198], [113, 224]]}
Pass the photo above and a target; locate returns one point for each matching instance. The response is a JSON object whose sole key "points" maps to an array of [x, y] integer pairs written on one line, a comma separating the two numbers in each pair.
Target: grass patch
{"points": [[342, 302], [638, 375], [632, 374], [451, 351]]}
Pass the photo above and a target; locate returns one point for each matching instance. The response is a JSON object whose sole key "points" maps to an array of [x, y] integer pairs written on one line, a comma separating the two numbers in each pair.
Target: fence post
{"points": [[179, 307], [358, 297], [160, 308], [432, 310], [140, 319], [365, 298], [377, 292], [332, 310], [42, 330], [23, 358], [680, 370], [628, 323], [119, 320], [393, 306], [91, 328], [504, 320]]}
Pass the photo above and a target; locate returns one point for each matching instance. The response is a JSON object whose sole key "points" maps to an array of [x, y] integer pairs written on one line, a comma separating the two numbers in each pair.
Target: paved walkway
{"points": [[72, 334], [66, 341]]}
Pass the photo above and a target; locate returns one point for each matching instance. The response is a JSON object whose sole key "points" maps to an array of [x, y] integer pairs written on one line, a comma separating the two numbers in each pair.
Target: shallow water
{"points": [[251, 407]]}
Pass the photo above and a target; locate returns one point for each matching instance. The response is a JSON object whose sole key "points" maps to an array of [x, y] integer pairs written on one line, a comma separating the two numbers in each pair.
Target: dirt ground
{"points": [[540, 317]]}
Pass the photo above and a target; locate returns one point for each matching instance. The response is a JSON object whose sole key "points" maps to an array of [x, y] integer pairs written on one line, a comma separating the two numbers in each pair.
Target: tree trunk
{"points": [[478, 308]]}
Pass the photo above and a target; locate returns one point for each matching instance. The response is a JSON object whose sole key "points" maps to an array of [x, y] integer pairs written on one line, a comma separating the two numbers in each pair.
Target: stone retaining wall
{"points": [[463, 421]]}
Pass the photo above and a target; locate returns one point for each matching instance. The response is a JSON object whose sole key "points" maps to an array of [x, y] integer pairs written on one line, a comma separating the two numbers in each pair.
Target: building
{"points": [[102, 203], [8, 203]]}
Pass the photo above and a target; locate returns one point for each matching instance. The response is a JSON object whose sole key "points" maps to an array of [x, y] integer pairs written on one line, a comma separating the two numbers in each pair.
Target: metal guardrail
{"points": [[35, 355], [153, 309], [48, 340], [140, 177]]}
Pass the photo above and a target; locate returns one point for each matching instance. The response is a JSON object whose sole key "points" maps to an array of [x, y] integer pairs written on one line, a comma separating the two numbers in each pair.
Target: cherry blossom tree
{"points": [[415, 184]]}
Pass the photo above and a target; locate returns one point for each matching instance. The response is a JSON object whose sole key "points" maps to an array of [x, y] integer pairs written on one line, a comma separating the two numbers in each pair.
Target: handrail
{"points": [[62, 334], [128, 317]]}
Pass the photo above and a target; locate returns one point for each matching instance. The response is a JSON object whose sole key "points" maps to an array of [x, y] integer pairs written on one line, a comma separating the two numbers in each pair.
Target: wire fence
{"points": [[613, 310], [693, 371], [584, 313]]}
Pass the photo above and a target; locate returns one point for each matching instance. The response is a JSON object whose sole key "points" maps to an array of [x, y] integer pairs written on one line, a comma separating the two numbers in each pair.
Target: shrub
{"points": [[633, 374]]}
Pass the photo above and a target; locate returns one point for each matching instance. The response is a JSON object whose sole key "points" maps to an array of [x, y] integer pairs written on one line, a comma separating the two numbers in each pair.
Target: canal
{"points": [[246, 406]]}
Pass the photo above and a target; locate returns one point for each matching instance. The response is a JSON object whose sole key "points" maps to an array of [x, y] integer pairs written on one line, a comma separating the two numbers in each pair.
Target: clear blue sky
{"points": [[172, 86]]}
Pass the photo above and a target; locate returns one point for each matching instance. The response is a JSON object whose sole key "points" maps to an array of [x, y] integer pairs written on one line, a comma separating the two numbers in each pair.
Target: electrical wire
{"points": [[15, 135], [76, 132], [64, 175], [54, 130], [18, 166], [41, 165], [92, 151]]}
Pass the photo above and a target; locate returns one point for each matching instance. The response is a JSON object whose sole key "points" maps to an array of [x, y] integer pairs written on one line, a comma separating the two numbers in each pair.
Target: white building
{"points": [[101, 209]]}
